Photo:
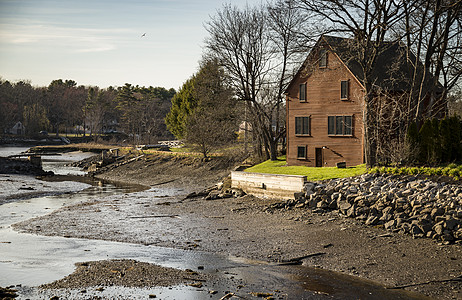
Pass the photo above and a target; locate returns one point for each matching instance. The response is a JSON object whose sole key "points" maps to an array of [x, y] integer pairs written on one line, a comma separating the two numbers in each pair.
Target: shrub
{"points": [[454, 173], [453, 166]]}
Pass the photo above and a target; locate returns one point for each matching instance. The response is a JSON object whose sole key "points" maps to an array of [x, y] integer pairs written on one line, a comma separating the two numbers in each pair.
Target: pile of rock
{"points": [[21, 166], [407, 204]]}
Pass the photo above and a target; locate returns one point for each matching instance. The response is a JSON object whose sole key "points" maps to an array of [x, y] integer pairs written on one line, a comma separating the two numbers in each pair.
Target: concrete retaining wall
{"points": [[268, 185]]}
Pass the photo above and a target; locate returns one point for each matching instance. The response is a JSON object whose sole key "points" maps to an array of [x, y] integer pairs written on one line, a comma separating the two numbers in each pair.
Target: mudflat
{"points": [[244, 227]]}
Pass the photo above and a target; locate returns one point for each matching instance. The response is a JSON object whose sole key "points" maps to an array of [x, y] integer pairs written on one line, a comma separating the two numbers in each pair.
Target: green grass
{"points": [[312, 174]]}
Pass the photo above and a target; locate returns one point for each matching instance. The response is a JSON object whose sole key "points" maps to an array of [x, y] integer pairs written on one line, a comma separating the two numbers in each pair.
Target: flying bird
{"points": [[144, 34]]}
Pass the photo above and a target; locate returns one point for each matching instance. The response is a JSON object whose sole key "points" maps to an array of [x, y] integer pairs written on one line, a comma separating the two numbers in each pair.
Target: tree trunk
{"points": [[273, 149], [369, 143]]}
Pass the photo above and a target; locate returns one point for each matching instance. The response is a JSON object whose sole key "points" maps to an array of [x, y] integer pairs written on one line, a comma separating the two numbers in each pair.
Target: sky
{"points": [[100, 42]]}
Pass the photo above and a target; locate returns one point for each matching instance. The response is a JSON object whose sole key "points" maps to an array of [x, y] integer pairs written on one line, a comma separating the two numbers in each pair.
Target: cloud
{"points": [[75, 39], [96, 49]]}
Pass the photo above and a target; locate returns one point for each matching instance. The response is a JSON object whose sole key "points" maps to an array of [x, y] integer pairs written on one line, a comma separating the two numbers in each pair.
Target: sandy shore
{"points": [[243, 227]]}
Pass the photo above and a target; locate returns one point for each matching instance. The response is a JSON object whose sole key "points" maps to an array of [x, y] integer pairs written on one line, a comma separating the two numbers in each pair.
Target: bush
{"points": [[454, 173], [452, 170]]}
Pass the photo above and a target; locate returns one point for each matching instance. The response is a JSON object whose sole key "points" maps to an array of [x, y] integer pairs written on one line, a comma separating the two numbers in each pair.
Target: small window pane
{"points": [[298, 125], [339, 125], [303, 92], [302, 125], [306, 125], [301, 152], [348, 125], [344, 90], [331, 125], [322, 58]]}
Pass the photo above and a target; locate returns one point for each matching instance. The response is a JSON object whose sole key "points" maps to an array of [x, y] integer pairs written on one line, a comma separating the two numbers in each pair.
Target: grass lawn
{"points": [[312, 174]]}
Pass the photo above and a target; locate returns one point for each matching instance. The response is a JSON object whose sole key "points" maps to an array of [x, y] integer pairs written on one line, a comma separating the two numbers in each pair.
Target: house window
{"points": [[302, 93], [340, 125], [322, 58], [302, 125], [344, 90], [301, 152]]}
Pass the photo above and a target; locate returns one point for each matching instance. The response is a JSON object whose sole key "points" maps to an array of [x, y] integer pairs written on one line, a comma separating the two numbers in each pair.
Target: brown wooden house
{"points": [[325, 101]]}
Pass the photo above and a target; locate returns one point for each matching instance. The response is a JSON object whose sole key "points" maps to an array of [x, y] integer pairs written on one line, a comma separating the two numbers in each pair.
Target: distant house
{"points": [[18, 129], [244, 127], [325, 101]]}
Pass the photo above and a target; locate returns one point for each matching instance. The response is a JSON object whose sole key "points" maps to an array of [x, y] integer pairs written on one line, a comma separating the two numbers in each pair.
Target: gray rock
{"points": [[451, 223], [336, 196], [332, 204], [372, 220], [458, 234], [406, 227], [439, 228], [400, 221], [439, 219], [425, 227], [415, 230], [351, 198], [375, 189], [299, 205], [386, 217], [213, 195], [309, 188], [322, 204], [343, 206], [299, 195], [447, 236], [352, 190], [390, 225], [458, 214], [351, 212], [437, 212], [407, 193]]}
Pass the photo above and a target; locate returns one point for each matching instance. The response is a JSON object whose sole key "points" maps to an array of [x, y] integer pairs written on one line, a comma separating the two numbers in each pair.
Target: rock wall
{"points": [[406, 204]]}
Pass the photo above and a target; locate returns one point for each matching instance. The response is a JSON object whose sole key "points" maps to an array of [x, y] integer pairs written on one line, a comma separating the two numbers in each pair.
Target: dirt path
{"points": [[243, 227]]}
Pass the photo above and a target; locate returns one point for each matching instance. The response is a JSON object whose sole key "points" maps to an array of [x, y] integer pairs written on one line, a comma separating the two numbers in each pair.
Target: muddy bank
{"points": [[244, 227], [190, 173], [21, 187], [128, 273]]}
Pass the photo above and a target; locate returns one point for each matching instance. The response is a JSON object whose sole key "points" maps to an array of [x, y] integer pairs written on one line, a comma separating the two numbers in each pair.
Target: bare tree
{"points": [[258, 48], [433, 36]]}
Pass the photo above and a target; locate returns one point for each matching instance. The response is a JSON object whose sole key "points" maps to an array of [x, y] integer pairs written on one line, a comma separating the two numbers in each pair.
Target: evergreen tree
{"points": [[183, 104], [213, 123]]}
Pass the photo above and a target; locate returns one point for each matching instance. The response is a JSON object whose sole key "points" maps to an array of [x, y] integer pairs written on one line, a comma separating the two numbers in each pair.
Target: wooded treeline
{"points": [[134, 113]]}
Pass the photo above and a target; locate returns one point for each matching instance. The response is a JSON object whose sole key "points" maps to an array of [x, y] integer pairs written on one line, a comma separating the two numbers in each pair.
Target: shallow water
{"points": [[30, 260], [58, 163]]}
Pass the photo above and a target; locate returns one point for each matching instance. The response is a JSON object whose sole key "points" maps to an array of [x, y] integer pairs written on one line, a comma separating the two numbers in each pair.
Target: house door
{"points": [[318, 157]]}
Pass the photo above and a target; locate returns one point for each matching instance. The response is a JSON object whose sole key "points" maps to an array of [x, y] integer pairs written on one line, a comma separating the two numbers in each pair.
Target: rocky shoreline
{"points": [[406, 204]]}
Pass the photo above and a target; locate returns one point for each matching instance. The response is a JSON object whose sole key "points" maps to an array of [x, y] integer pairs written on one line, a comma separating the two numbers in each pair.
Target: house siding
{"points": [[323, 93]]}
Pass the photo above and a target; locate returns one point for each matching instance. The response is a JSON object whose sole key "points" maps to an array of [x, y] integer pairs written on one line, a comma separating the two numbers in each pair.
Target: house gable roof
{"points": [[392, 70]]}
